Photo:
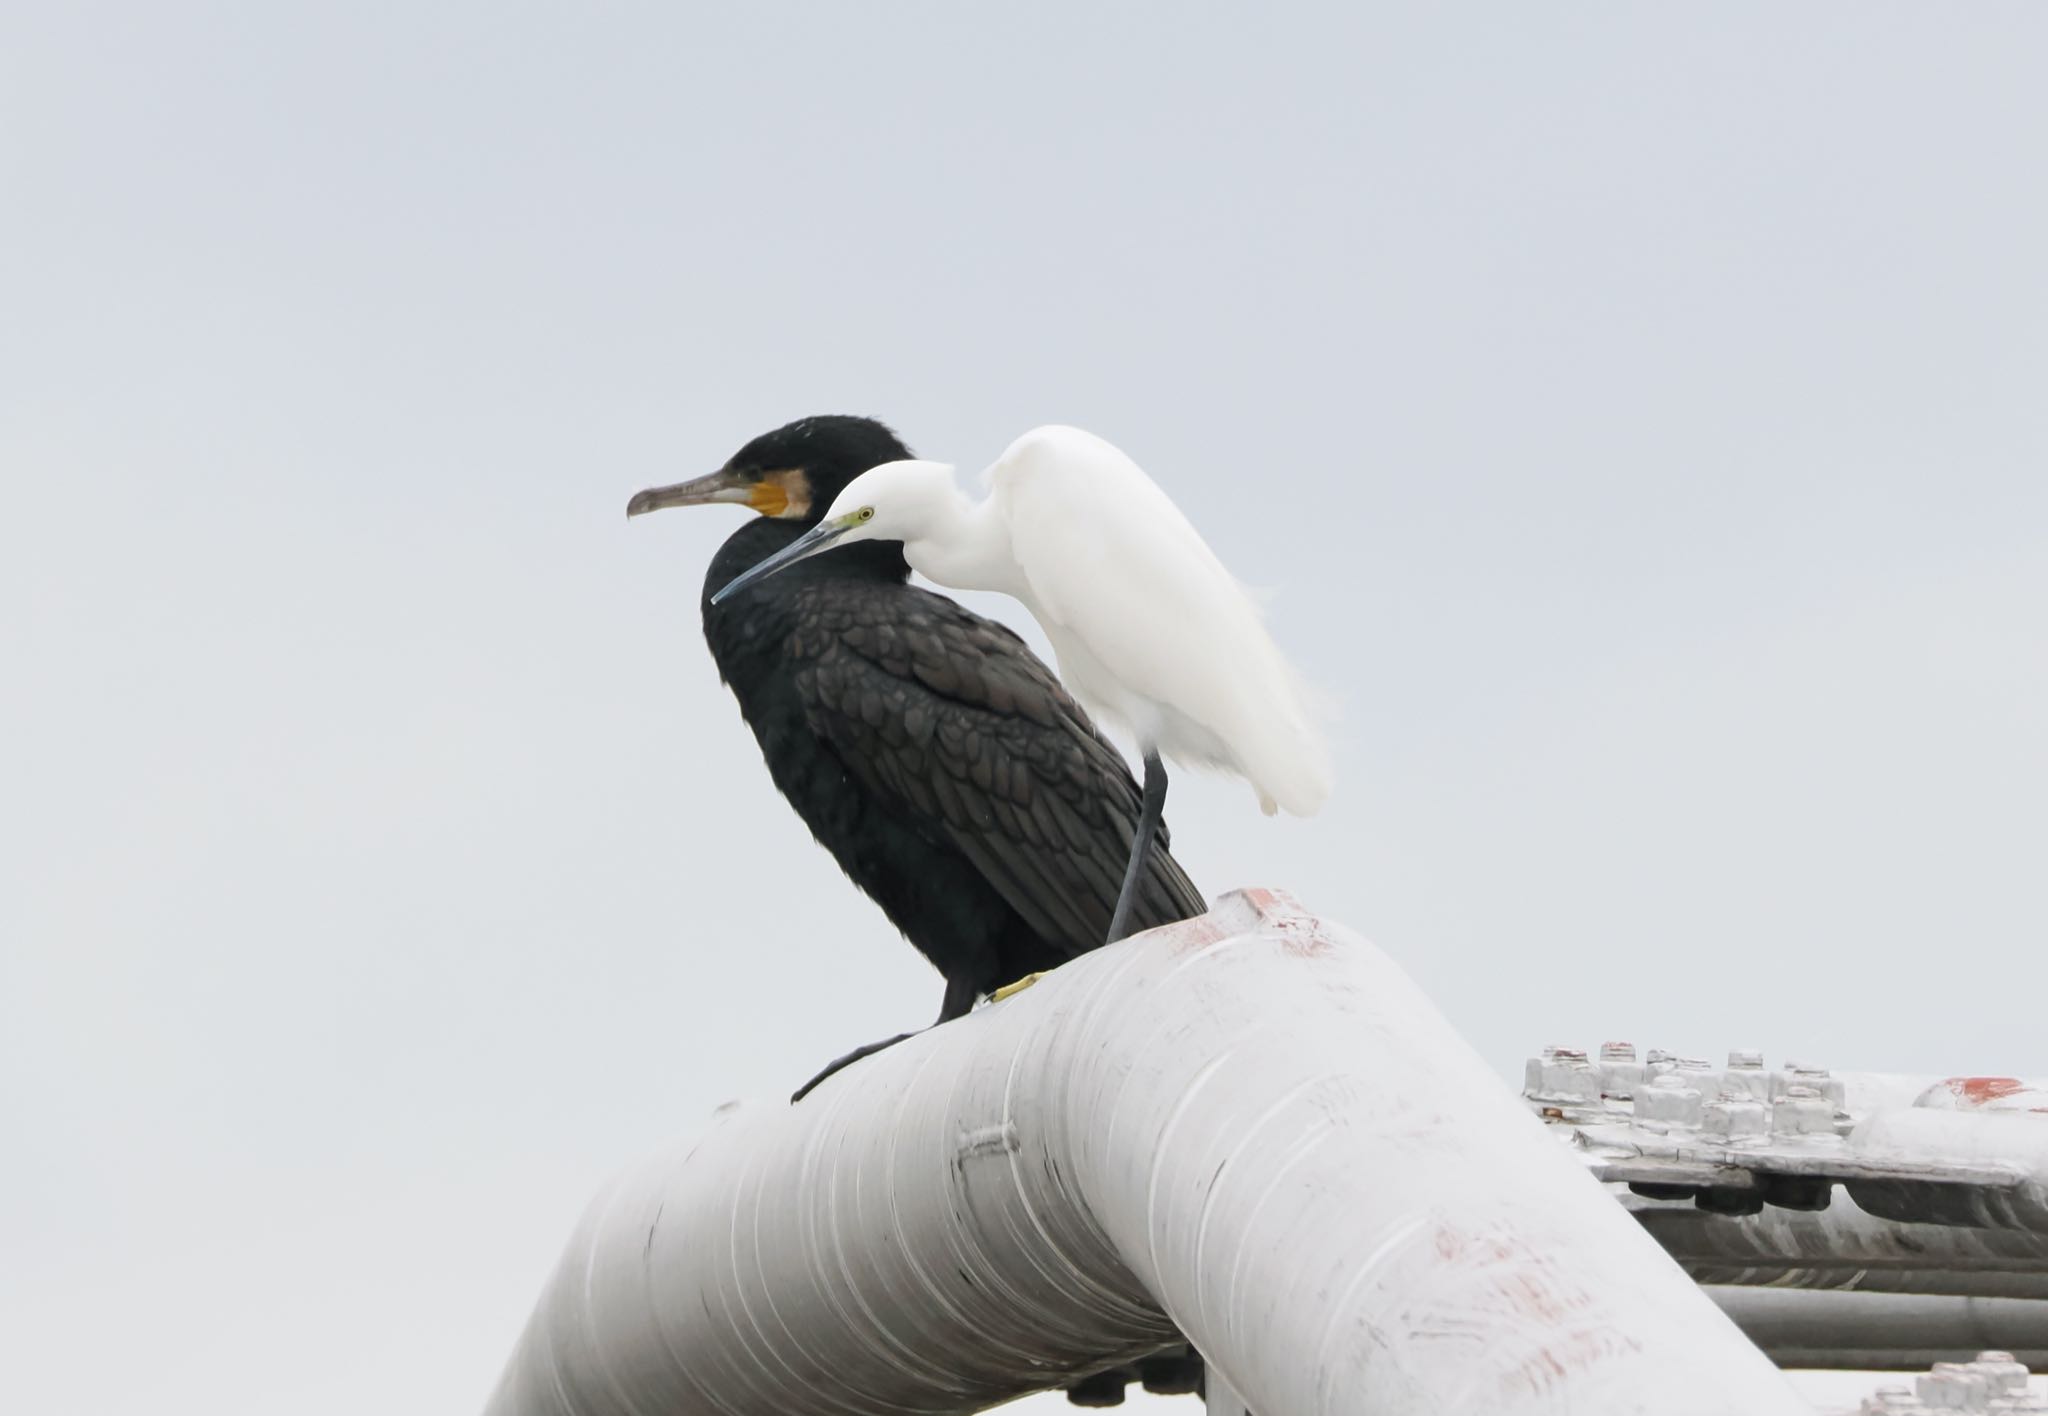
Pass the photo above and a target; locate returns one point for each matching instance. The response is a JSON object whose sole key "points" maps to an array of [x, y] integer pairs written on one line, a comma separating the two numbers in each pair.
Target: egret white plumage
{"points": [[1149, 628]]}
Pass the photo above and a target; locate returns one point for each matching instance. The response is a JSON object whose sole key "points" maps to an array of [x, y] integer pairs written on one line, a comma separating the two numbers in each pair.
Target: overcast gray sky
{"points": [[1639, 411]]}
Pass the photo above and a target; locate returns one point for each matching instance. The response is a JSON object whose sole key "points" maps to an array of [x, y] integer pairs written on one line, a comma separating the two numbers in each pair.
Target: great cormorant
{"points": [[939, 761], [928, 749]]}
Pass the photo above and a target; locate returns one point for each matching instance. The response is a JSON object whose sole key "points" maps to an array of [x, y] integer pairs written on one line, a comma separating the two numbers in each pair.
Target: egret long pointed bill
{"points": [[818, 538]]}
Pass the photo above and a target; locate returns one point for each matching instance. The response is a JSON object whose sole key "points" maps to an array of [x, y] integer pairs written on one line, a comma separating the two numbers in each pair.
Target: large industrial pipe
{"points": [[1251, 1126]]}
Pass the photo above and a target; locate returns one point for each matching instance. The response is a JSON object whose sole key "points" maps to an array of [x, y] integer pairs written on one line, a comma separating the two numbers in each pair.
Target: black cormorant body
{"points": [[927, 748]]}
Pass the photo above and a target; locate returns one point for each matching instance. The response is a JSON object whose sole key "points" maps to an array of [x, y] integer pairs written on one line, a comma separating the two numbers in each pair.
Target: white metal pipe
{"points": [[2012, 1138], [1892, 1332], [1994, 1095], [1252, 1125], [1219, 1400], [1845, 1246], [1868, 1092]]}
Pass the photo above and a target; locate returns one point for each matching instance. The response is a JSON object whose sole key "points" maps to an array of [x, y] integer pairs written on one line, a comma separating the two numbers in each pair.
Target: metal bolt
{"points": [[1669, 1101], [1803, 1111], [1736, 1118]]}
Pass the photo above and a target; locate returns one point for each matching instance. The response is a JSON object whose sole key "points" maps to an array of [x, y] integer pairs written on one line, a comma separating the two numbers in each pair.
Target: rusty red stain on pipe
{"points": [[1303, 938], [1192, 935], [1980, 1091], [1554, 1361]]}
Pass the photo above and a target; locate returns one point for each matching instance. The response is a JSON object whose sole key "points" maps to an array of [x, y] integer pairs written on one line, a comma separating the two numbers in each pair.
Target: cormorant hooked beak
{"points": [[721, 486], [818, 538], [784, 493]]}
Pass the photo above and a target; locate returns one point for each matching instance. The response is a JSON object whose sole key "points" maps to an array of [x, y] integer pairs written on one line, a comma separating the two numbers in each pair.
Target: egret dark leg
{"points": [[1141, 844], [959, 998]]}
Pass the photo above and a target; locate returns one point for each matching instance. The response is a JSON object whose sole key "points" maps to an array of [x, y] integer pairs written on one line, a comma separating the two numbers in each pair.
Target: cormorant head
{"points": [[791, 474]]}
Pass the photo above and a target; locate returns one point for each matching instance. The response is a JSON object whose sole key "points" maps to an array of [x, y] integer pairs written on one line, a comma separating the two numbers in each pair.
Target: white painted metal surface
{"points": [[1887, 1332], [1844, 1246], [1252, 1125], [1219, 1400], [1992, 1385], [2016, 1141], [1968, 1151]]}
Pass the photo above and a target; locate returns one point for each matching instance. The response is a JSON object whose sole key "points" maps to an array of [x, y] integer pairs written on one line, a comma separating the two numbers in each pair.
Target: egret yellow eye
{"points": [[867, 513]]}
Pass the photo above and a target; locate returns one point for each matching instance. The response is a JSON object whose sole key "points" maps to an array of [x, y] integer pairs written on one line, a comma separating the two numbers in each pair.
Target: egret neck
{"points": [[964, 544]]}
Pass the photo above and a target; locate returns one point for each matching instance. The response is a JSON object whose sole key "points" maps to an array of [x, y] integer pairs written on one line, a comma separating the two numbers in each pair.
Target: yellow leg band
{"points": [[1018, 987]]}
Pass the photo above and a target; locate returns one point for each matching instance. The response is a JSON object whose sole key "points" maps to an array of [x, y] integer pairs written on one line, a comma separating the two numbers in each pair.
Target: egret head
{"points": [[897, 501], [791, 474]]}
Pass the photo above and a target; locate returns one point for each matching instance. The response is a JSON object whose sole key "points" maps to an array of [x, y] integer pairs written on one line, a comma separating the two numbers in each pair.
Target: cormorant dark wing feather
{"points": [[953, 714]]}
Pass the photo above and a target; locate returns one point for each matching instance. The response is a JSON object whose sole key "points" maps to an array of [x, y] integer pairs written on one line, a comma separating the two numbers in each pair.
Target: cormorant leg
{"points": [[959, 998], [1141, 845]]}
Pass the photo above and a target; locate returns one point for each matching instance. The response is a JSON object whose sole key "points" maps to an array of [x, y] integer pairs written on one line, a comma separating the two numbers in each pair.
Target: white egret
{"points": [[1149, 628]]}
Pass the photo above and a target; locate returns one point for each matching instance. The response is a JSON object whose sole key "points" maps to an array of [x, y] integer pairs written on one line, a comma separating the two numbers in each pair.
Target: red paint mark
{"points": [[1269, 904], [1302, 936], [1978, 1091], [1279, 914], [1532, 1296], [1485, 1248], [1556, 1360], [1195, 934], [1525, 1281], [1262, 899]]}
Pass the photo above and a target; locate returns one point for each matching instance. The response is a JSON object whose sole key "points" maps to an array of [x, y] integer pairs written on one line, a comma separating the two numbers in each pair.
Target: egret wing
{"points": [[952, 715]]}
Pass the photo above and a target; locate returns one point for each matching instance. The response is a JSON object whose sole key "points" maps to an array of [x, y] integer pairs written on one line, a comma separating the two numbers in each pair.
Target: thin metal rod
{"points": [[1884, 1332]]}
